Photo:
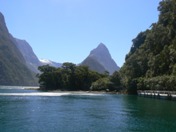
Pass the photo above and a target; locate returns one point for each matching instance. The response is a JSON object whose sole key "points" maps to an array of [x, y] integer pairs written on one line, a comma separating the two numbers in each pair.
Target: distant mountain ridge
{"points": [[30, 57], [13, 69], [100, 60], [49, 62], [26, 50]]}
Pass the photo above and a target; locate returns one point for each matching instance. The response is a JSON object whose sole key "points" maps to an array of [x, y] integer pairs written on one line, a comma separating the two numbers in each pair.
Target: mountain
{"points": [[26, 50], [93, 64], [100, 60], [13, 69], [30, 57], [49, 62]]}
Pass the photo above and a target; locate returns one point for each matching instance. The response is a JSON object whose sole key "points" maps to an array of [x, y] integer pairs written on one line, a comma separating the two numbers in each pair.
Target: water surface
{"points": [[34, 111]]}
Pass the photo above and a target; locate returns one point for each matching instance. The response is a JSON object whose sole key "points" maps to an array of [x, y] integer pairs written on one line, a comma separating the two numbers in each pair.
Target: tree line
{"points": [[71, 77]]}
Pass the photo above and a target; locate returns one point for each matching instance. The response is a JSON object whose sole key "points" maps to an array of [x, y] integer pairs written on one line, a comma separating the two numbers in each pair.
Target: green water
{"points": [[34, 111]]}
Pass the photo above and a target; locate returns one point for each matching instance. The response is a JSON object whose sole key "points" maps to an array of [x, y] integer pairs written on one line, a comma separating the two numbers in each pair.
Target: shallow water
{"points": [[33, 111]]}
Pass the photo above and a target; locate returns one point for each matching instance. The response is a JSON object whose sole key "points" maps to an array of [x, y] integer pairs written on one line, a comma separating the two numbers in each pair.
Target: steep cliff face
{"points": [[26, 50], [93, 64], [30, 57], [13, 69], [100, 60]]}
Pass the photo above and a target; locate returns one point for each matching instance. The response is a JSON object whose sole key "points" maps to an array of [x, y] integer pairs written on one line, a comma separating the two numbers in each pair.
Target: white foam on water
{"points": [[34, 94], [86, 93], [50, 94], [18, 87]]}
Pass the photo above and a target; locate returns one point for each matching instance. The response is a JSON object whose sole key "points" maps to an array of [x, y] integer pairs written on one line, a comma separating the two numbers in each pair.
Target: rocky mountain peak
{"points": [[102, 56], [102, 46], [100, 50]]}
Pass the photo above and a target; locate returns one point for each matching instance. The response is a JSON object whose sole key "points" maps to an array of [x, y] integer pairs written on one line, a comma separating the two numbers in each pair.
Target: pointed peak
{"points": [[100, 50], [101, 45], [102, 56]]}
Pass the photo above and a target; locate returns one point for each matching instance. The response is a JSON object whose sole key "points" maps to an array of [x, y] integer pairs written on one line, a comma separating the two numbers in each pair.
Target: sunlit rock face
{"points": [[100, 60]]}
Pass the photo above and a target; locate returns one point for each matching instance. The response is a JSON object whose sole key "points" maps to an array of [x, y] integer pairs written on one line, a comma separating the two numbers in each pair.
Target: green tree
{"points": [[115, 80], [47, 78], [101, 84]]}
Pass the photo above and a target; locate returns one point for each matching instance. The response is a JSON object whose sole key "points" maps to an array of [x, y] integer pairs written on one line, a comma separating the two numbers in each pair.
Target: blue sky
{"points": [[67, 30]]}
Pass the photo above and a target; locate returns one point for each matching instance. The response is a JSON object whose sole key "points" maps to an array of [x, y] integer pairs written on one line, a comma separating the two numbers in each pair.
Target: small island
{"points": [[75, 78]]}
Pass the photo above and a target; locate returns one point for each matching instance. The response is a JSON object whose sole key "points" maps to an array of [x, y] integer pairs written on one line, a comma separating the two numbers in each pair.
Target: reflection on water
{"points": [[31, 110]]}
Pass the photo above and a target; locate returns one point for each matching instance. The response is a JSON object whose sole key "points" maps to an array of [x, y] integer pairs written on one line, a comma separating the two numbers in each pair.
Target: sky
{"points": [[67, 30]]}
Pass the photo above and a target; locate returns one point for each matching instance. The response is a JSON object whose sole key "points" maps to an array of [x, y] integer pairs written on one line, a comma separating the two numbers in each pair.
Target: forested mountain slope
{"points": [[151, 62]]}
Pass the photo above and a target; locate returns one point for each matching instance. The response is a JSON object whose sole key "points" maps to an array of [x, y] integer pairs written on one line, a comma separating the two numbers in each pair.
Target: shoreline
{"points": [[168, 95], [81, 91]]}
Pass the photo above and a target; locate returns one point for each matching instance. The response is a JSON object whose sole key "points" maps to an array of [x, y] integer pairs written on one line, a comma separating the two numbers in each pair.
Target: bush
{"points": [[100, 84], [167, 83]]}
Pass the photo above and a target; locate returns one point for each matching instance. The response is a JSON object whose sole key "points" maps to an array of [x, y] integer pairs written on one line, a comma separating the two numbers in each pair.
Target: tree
{"points": [[115, 79], [101, 84], [47, 78]]}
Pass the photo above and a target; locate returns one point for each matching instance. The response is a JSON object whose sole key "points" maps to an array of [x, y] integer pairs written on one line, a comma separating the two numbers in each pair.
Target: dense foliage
{"points": [[72, 77], [151, 62]]}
